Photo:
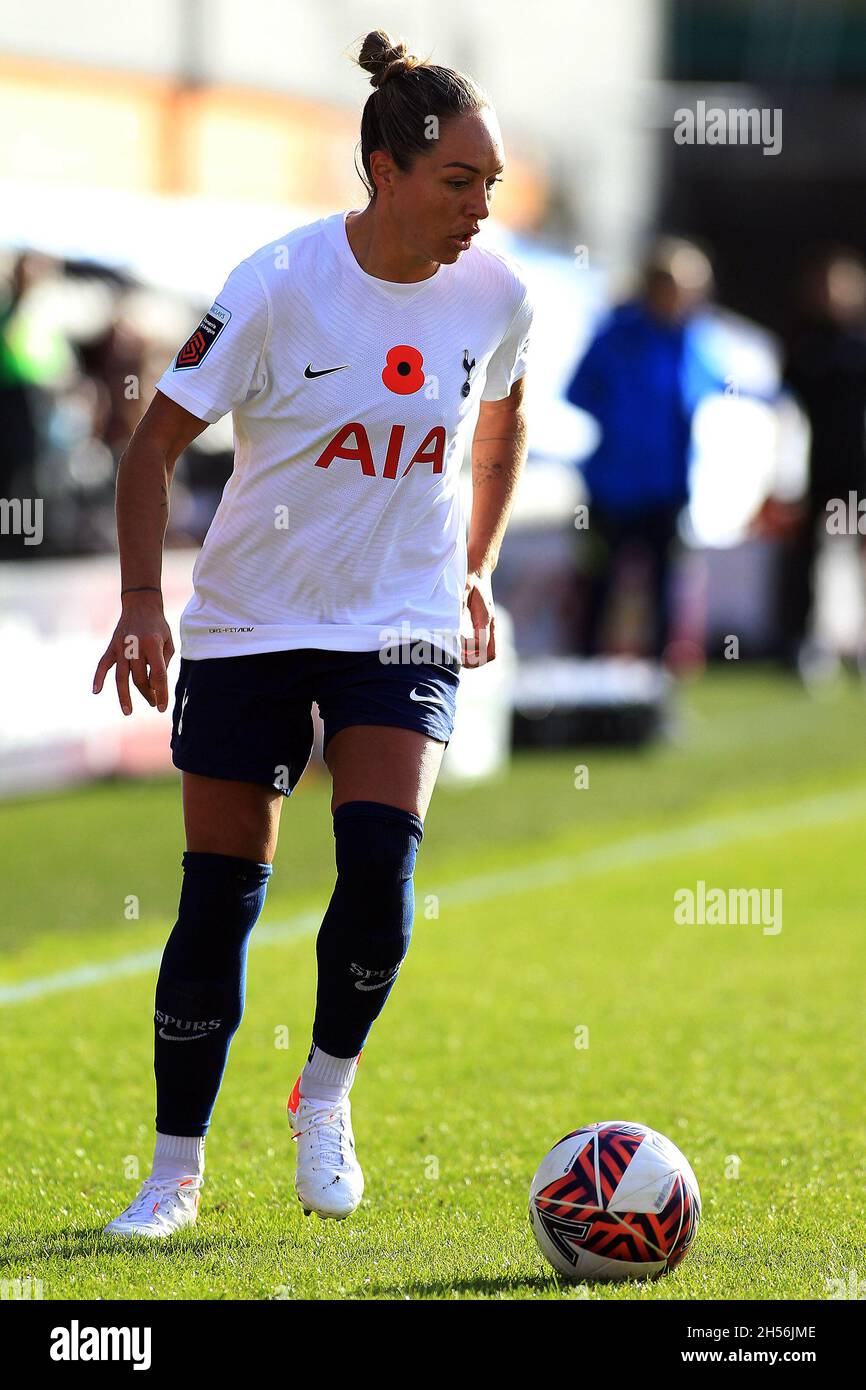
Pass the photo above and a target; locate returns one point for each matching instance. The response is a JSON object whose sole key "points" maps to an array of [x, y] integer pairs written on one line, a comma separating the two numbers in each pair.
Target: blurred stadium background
{"points": [[148, 148]]}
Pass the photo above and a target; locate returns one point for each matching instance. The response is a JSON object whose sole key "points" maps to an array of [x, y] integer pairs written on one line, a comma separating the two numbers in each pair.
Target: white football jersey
{"points": [[341, 526]]}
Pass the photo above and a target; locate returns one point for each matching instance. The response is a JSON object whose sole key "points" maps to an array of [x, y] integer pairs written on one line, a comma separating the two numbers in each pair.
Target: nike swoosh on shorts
{"points": [[426, 699]]}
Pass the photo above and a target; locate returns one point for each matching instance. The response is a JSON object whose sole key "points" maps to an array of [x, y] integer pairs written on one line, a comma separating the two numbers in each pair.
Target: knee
{"points": [[376, 844], [369, 919]]}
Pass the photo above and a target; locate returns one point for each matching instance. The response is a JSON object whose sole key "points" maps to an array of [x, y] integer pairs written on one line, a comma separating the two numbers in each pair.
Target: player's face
{"points": [[445, 196]]}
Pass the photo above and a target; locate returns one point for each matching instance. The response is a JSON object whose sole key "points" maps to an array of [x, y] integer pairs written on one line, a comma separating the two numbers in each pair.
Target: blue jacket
{"points": [[634, 379]]}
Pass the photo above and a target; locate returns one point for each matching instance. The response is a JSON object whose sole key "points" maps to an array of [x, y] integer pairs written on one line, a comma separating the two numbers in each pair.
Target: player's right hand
{"points": [[141, 647]]}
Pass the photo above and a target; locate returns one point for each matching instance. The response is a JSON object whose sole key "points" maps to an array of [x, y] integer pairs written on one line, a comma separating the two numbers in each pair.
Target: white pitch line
{"points": [[82, 976], [548, 873]]}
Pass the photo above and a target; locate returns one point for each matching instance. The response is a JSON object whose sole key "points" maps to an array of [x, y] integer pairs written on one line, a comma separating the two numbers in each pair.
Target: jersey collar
{"points": [[396, 290]]}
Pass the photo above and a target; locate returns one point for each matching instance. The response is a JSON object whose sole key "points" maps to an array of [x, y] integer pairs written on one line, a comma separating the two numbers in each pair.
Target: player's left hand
{"points": [[478, 638]]}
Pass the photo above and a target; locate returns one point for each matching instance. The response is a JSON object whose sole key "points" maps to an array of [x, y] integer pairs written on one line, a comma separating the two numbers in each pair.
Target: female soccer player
{"points": [[352, 354]]}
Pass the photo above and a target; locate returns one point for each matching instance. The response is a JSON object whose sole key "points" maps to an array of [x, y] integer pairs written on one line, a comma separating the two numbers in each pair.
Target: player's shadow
{"points": [[83, 1242], [446, 1288]]}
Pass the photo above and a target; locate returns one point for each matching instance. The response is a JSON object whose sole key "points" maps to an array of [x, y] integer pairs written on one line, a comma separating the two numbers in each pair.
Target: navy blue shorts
{"points": [[248, 718]]}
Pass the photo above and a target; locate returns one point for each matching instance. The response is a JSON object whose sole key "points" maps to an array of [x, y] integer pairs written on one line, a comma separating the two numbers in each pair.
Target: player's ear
{"points": [[383, 170]]}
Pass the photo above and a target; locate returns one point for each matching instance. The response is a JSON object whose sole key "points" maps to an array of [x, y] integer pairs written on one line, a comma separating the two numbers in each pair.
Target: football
{"points": [[614, 1200]]}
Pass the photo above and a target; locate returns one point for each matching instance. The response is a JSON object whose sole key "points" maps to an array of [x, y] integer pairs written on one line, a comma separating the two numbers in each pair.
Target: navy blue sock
{"points": [[366, 930], [201, 986]]}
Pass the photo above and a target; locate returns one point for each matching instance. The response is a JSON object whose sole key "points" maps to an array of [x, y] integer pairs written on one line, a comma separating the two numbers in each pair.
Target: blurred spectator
{"points": [[80, 346], [17, 414], [641, 381], [826, 369]]}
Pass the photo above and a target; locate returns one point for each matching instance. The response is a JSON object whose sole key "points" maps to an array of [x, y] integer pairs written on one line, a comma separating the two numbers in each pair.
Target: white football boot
{"points": [[328, 1178], [160, 1209]]}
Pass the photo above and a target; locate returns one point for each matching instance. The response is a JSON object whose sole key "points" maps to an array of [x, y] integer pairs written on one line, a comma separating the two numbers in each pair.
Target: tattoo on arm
{"points": [[484, 471]]}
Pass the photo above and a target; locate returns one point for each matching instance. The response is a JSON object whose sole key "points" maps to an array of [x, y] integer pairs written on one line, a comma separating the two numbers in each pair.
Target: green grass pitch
{"points": [[555, 914]]}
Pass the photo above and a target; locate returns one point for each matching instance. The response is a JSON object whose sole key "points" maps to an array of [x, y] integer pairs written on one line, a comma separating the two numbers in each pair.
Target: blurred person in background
{"points": [[826, 370], [77, 341], [114, 360], [17, 412], [636, 382]]}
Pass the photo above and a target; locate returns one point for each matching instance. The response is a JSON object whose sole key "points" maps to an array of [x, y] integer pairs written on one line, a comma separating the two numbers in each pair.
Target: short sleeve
{"points": [[508, 363], [221, 364]]}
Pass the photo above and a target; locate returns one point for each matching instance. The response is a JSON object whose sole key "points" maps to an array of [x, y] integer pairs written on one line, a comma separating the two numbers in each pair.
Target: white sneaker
{"points": [[160, 1209], [328, 1179]]}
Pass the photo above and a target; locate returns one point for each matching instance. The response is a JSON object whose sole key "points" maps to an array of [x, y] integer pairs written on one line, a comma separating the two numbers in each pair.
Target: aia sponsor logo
{"points": [[352, 442]]}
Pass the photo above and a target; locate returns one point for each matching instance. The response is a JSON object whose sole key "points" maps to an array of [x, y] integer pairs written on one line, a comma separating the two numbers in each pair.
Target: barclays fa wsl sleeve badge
{"points": [[199, 344]]}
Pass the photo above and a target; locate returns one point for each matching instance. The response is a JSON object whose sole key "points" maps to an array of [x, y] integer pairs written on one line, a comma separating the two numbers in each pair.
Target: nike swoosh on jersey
{"points": [[309, 373]]}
